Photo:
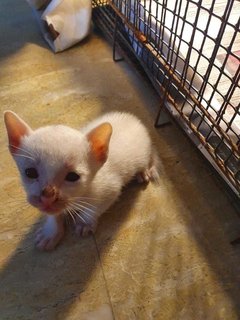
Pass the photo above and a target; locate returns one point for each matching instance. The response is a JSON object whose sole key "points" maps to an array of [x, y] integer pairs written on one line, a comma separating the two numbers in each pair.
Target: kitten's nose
{"points": [[49, 195]]}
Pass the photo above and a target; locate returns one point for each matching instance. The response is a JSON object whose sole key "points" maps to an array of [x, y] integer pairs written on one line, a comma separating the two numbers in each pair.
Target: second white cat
{"points": [[79, 173]]}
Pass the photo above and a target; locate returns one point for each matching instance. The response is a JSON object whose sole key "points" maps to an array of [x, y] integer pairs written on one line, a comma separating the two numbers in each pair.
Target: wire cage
{"points": [[190, 50]]}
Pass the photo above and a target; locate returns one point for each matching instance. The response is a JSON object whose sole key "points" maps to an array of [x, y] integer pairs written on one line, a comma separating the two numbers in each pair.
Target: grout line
{"points": [[104, 277]]}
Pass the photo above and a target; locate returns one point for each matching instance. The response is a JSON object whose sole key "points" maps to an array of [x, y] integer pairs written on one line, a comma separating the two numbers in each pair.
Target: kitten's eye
{"points": [[72, 177], [31, 173]]}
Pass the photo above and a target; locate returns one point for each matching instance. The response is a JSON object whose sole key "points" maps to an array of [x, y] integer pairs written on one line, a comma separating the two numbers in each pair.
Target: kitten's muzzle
{"points": [[49, 191], [49, 195]]}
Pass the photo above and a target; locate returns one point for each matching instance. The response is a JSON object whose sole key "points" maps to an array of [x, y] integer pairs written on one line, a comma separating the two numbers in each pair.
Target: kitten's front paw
{"points": [[48, 237], [83, 230], [47, 242]]}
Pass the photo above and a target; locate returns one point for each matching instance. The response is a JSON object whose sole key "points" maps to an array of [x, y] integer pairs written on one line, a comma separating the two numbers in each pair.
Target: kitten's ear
{"points": [[16, 129], [99, 139]]}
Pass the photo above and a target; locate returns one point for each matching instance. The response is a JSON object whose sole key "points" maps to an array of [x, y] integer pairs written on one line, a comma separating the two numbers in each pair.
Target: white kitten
{"points": [[79, 173]]}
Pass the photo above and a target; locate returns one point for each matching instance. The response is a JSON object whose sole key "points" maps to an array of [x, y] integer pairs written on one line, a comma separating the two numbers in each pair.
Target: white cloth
{"points": [[70, 19]]}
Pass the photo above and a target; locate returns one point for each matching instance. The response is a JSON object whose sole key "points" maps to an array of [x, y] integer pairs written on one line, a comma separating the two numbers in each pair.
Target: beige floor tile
{"points": [[161, 252]]}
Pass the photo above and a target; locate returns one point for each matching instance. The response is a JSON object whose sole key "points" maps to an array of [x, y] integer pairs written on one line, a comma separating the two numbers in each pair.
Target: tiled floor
{"points": [[161, 252]]}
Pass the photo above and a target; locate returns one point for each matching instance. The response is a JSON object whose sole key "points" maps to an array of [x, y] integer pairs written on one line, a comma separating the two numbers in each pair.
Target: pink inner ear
{"points": [[99, 140], [100, 152], [13, 146], [16, 129], [15, 137]]}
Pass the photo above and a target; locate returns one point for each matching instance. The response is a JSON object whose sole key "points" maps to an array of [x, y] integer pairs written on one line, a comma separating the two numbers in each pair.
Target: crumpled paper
{"points": [[63, 22]]}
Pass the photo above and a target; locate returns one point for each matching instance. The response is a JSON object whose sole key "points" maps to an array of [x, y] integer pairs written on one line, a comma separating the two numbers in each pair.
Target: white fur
{"points": [[130, 152], [56, 150]]}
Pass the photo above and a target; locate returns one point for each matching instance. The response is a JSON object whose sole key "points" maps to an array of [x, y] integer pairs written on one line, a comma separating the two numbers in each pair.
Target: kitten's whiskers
{"points": [[69, 211], [84, 209], [80, 206], [80, 211], [87, 203], [76, 213], [85, 198], [83, 213]]}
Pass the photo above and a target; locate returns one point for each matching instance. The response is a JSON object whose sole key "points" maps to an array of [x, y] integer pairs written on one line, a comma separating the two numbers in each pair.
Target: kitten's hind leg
{"points": [[48, 236], [151, 173], [143, 176]]}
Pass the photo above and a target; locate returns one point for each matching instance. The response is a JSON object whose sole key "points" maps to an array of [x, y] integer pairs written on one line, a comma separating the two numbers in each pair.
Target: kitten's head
{"points": [[56, 163]]}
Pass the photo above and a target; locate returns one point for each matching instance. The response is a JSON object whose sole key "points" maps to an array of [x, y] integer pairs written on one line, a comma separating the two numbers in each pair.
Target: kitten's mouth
{"points": [[50, 209], [54, 208]]}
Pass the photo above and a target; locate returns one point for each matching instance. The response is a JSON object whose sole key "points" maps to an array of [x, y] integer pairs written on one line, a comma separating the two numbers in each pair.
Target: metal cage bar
{"points": [[190, 51]]}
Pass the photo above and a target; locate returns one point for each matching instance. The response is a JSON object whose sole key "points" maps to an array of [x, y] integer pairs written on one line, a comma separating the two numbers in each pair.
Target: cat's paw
{"points": [[47, 242], [144, 176], [83, 230], [48, 237], [147, 175]]}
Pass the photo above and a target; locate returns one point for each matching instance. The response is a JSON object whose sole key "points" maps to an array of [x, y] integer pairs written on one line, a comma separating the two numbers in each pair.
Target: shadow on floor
{"points": [[41, 285], [19, 27]]}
